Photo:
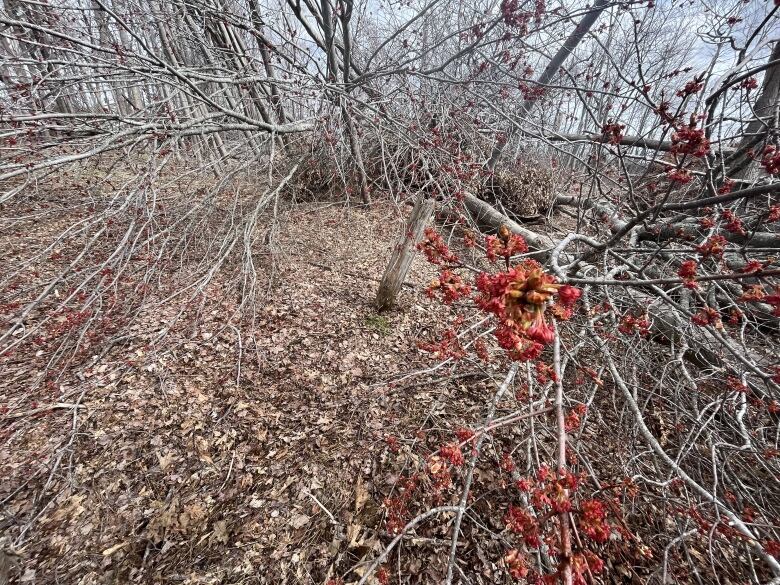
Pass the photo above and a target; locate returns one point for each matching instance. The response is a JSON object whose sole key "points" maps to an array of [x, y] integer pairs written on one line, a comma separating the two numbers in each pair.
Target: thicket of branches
{"points": [[155, 141]]}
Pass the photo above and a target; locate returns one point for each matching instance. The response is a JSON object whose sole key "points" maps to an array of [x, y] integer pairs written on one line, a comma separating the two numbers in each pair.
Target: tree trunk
{"points": [[403, 253]]}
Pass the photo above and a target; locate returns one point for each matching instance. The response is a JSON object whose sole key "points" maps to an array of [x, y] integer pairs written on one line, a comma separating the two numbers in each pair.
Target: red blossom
{"points": [[593, 521], [713, 246], [435, 250], [707, 316], [568, 295], [733, 223], [770, 159], [450, 285], [612, 132], [520, 521], [516, 564], [692, 87], [752, 294], [679, 176], [690, 140], [749, 83], [452, 453], [687, 272]]}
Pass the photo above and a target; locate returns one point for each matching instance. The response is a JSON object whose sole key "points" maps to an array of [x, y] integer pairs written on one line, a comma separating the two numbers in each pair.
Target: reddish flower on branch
{"points": [[506, 245], [707, 316], [515, 564], [733, 223], [435, 250], [520, 521], [612, 132], [726, 187], [452, 453], [448, 347], [568, 295], [692, 87], [464, 435], [687, 272], [680, 176], [752, 266], [713, 246], [774, 300], [752, 294], [737, 385], [690, 140], [774, 213], [749, 83], [593, 521], [770, 159], [451, 285]]}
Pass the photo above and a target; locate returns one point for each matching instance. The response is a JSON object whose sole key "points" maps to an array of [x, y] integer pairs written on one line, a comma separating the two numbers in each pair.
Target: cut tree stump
{"points": [[403, 253]]}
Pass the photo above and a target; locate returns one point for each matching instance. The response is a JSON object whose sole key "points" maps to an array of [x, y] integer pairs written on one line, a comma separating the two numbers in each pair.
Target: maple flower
{"points": [[568, 295], [515, 564], [773, 299], [519, 520], [434, 248], [451, 286], [770, 159], [707, 316], [690, 140], [713, 246], [594, 520], [679, 176], [612, 132], [733, 223], [540, 331], [505, 244], [452, 453], [753, 293], [687, 272]]}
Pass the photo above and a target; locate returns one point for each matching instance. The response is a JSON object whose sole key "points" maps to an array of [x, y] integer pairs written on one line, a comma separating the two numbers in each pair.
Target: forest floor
{"points": [[255, 456]]}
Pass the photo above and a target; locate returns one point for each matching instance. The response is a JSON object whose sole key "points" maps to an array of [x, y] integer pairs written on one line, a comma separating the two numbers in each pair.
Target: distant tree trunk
{"points": [[549, 72], [403, 253], [765, 112], [354, 140]]}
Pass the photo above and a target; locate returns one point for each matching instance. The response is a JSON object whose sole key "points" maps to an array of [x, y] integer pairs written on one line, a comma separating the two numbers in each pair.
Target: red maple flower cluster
{"points": [[448, 346], [519, 296], [692, 87], [452, 453], [690, 140], [733, 223], [713, 246], [679, 176], [707, 316], [550, 494], [773, 299], [434, 248], [612, 132], [687, 272], [505, 245], [631, 324], [515, 564], [450, 285], [770, 159]]}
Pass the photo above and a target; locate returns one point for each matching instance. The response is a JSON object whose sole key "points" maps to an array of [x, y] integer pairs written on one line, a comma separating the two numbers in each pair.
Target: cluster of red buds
{"points": [[520, 296], [690, 140]]}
